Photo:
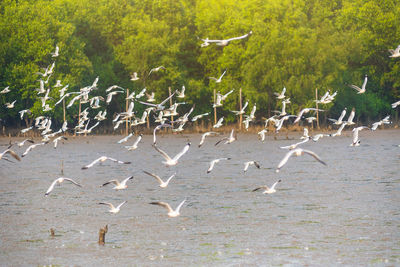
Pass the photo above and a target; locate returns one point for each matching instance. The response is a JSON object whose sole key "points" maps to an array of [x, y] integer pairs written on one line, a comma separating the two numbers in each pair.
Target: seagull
{"points": [[55, 141], [134, 77], [171, 213], [385, 120], [297, 152], [362, 89], [87, 131], [150, 97], [316, 137], [135, 145], [56, 54], [248, 163], [22, 112], [173, 161], [340, 120], [158, 106], [268, 190], [11, 152], [32, 147], [305, 110], [24, 141], [110, 96], [59, 181], [203, 137], [10, 105], [123, 140], [156, 69], [181, 94], [5, 90], [162, 183], [195, 118], [58, 84], [101, 115], [293, 146], [283, 112], [239, 112], [158, 128], [229, 139], [311, 119], [356, 140], [281, 95], [141, 93], [112, 208], [66, 95], [26, 129], [101, 160], [219, 79], [395, 104], [213, 162], [118, 185], [219, 123], [305, 134], [395, 52], [262, 134], [223, 42], [339, 131]]}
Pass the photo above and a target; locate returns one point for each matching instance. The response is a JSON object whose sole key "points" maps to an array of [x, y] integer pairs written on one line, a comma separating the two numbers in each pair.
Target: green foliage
{"points": [[298, 44]]}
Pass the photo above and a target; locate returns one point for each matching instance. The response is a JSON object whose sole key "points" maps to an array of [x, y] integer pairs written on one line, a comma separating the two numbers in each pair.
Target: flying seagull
{"points": [[101, 160], [229, 139], [203, 137], [362, 89], [268, 190], [213, 162], [112, 208], [162, 183], [297, 152], [206, 42], [172, 161], [135, 145], [156, 69], [11, 152], [248, 163], [171, 213], [118, 185], [59, 181], [219, 79]]}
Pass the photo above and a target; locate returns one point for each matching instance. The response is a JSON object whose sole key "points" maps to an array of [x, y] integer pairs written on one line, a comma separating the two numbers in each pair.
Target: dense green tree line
{"points": [[298, 44]]}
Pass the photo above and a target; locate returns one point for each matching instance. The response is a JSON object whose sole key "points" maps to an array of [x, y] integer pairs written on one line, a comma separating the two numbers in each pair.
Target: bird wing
{"points": [[51, 187], [246, 165], [238, 38], [365, 82], [108, 204], [212, 163], [314, 155], [120, 205], [261, 187], [148, 104], [72, 181], [225, 138], [355, 87], [180, 154], [91, 164], [12, 153], [213, 78], [111, 182], [163, 204], [180, 205], [137, 140], [165, 100], [165, 155], [222, 75], [284, 160], [256, 164], [155, 176], [273, 186]]}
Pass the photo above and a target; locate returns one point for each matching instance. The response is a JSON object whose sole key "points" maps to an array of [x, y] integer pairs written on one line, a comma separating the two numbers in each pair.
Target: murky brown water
{"points": [[346, 213]]}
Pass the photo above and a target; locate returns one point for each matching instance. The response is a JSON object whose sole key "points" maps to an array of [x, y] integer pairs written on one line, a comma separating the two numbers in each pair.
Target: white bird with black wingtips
{"points": [[171, 213], [158, 178], [59, 181], [298, 152], [119, 185], [172, 161]]}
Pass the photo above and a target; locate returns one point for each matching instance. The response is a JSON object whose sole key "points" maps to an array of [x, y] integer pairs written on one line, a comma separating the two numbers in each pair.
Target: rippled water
{"points": [[345, 213]]}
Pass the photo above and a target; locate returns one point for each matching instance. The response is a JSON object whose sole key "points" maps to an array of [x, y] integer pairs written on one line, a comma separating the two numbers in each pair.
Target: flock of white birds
{"points": [[86, 124]]}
